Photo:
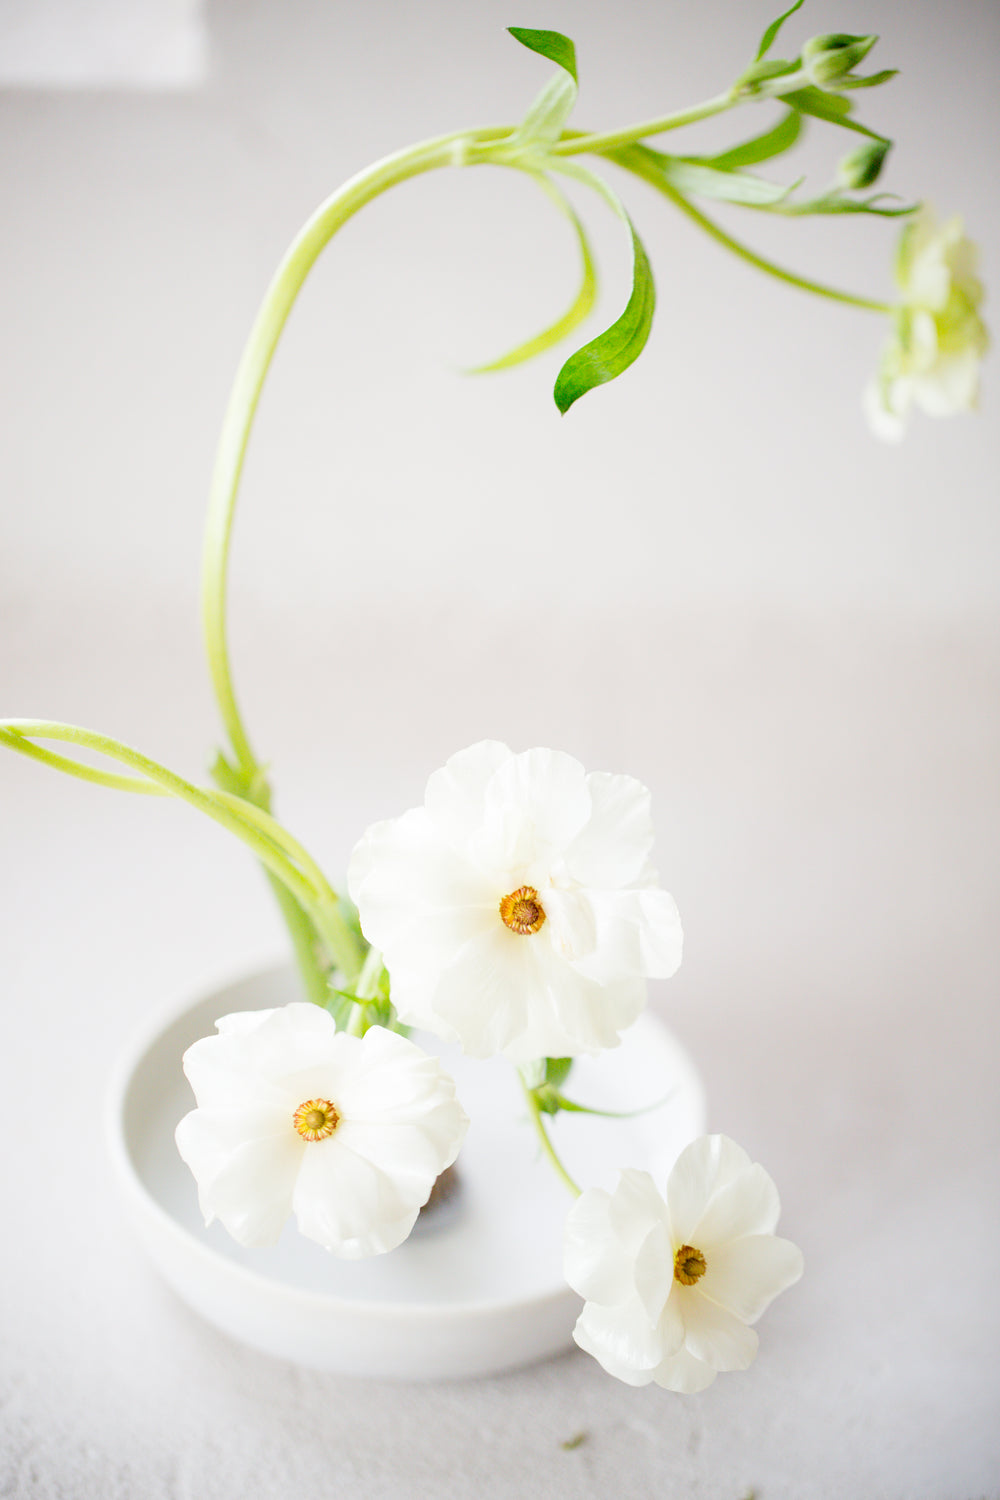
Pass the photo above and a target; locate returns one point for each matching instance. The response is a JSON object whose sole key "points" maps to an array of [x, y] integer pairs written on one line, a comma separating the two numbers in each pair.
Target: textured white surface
{"points": [[790, 634]]}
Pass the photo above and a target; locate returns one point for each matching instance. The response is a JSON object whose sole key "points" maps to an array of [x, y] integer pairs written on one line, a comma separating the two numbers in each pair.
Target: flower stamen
{"points": [[522, 911], [316, 1119], [689, 1265]]}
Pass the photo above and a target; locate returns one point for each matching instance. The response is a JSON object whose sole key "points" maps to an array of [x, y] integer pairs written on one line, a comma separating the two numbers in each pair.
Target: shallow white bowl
{"points": [[478, 1287]]}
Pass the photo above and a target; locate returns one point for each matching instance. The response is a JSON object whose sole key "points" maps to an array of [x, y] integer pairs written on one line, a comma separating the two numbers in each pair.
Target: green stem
{"points": [[546, 1144], [575, 141], [256, 829], [633, 161], [453, 149]]}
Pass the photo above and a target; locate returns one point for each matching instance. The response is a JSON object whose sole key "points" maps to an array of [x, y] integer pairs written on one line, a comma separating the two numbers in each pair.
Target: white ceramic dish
{"points": [[475, 1290]]}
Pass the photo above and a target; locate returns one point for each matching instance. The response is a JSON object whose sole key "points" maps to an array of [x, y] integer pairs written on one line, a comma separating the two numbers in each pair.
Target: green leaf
{"points": [[543, 124], [605, 357], [551, 44], [732, 187], [813, 101], [767, 40], [760, 148], [834, 202], [575, 314]]}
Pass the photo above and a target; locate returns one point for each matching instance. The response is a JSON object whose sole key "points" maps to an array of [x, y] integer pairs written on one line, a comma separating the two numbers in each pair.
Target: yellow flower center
{"points": [[522, 911], [689, 1265], [316, 1119]]}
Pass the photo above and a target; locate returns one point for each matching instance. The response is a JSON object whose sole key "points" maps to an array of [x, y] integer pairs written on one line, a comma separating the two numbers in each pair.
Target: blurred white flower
{"points": [[348, 1133], [932, 357], [672, 1285], [517, 910]]}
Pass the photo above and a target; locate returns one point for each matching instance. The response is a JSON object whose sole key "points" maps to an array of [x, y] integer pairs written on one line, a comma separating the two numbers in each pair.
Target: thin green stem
{"points": [[574, 142], [231, 813], [15, 741], [634, 161], [453, 149], [546, 1144], [305, 941]]}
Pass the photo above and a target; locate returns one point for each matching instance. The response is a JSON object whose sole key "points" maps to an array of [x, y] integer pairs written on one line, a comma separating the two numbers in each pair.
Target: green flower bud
{"points": [[861, 167], [827, 60]]}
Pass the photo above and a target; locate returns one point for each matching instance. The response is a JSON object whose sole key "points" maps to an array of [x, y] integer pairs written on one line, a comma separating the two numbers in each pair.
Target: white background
{"points": [[708, 574]]}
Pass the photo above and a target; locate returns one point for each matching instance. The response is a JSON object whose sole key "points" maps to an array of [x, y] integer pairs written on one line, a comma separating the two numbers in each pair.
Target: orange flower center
{"points": [[316, 1119], [522, 911], [689, 1265]]}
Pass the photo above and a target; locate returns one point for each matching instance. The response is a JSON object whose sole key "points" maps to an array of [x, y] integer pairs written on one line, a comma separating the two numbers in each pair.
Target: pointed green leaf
{"points": [[575, 314], [825, 106], [830, 107], [760, 148], [835, 202], [543, 124], [732, 187], [551, 44], [617, 347], [767, 39]]}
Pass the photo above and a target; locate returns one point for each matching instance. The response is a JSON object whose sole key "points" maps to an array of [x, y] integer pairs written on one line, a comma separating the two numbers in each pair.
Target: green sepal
{"points": [[767, 40], [557, 1070], [763, 72], [551, 44], [871, 81], [760, 148], [605, 357]]}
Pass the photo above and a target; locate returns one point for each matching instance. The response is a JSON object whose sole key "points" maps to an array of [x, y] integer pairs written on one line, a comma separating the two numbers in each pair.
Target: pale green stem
{"points": [[14, 741], [546, 1144], [231, 813], [633, 161], [453, 149], [574, 142]]}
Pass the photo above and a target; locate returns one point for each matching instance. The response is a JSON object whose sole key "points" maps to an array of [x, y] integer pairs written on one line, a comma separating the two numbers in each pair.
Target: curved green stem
{"points": [[456, 148], [270, 843], [633, 161], [576, 141], [14, 741], [546, 1144]]}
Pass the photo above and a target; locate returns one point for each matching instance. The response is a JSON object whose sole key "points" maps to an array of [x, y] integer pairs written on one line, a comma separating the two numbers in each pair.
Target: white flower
{"points": [[933, 356], [671, 1286], [517, 910], [348, 1133]]}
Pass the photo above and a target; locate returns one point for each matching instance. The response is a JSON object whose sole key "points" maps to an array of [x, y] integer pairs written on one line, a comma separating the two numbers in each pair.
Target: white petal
{"points": [[596, 1264], [654, 1281], [619, 1336], [245, 1164], [683, 1373], [747, 1204], [401, 876], [636, 1207], [747, 1274], [339, 1196], [615, 843], [247, 1061], [715, 1335], [377, 1241], [456, 795], [613, 935], [702, 1167], [536, 803]]}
